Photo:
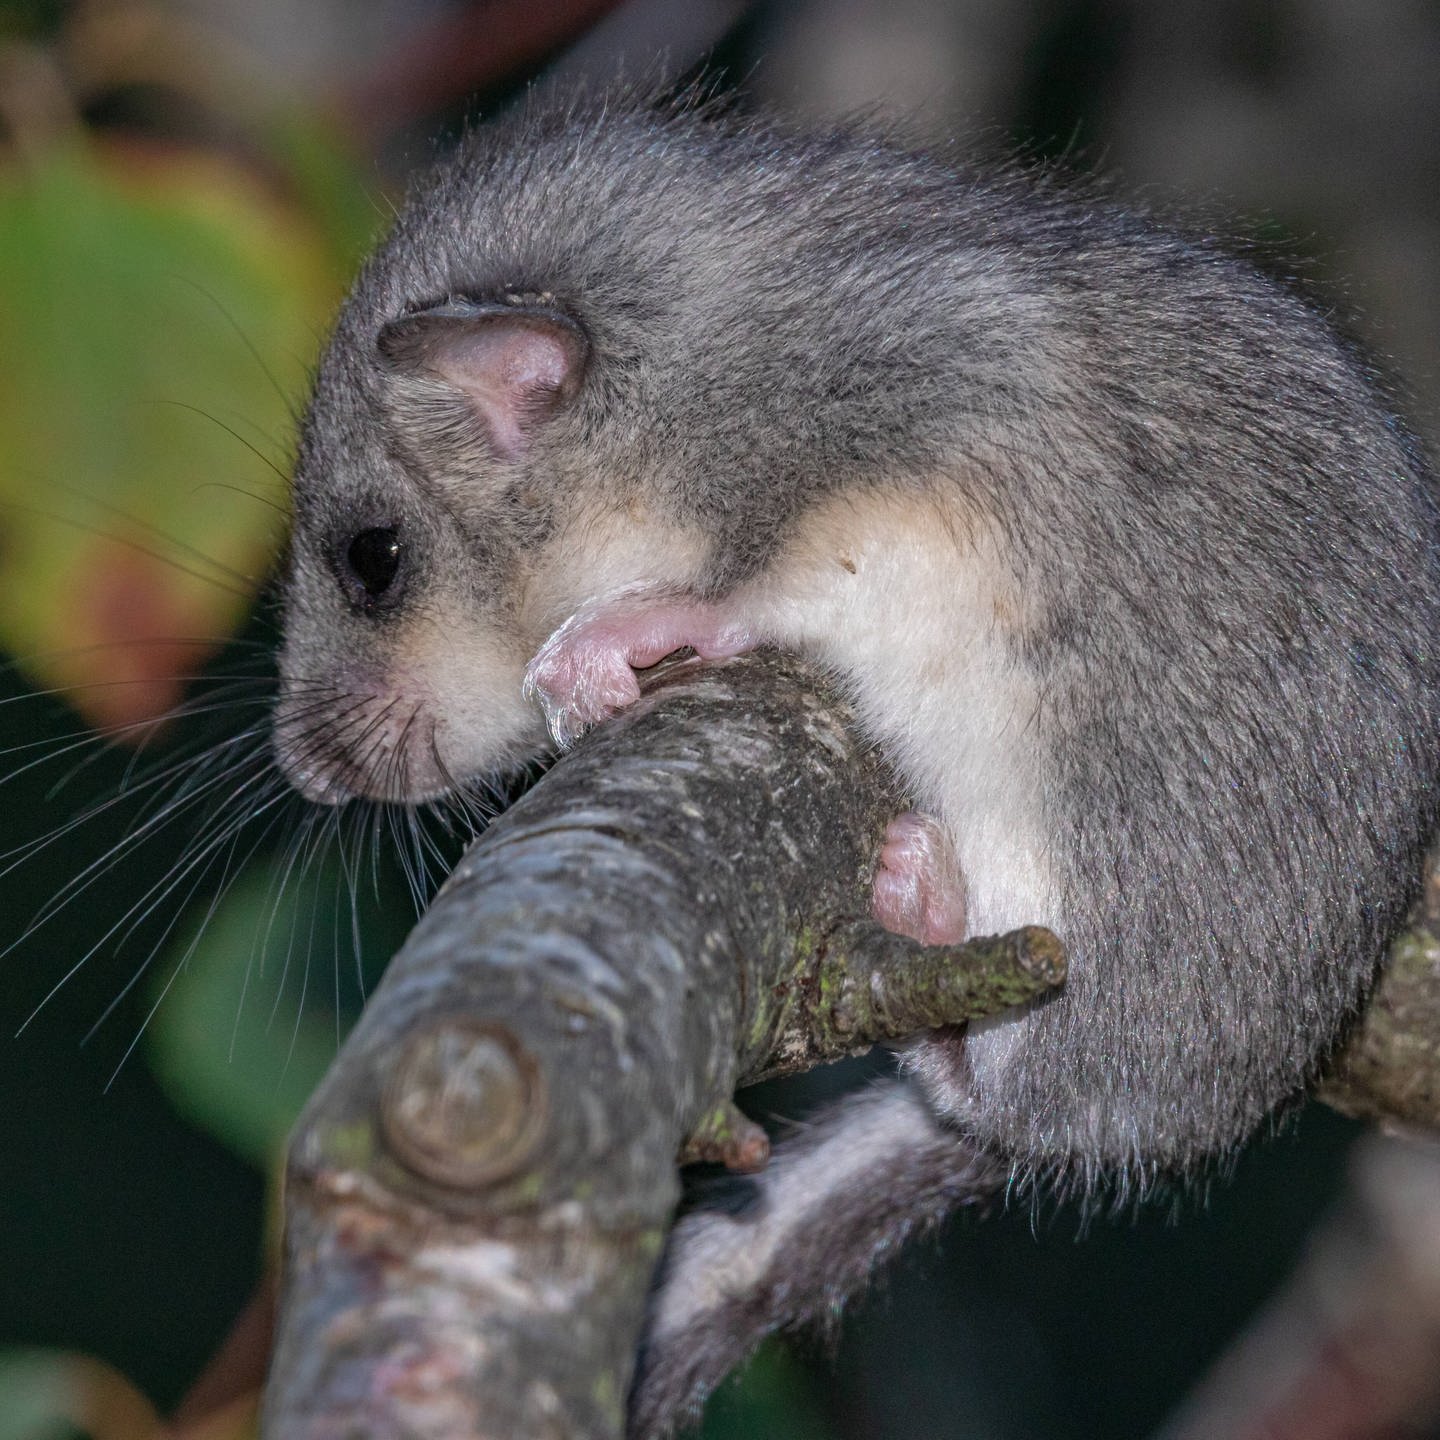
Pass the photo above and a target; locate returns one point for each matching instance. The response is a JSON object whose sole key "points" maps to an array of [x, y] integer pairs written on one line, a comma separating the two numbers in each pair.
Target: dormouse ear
{"points": [[517, 365]]}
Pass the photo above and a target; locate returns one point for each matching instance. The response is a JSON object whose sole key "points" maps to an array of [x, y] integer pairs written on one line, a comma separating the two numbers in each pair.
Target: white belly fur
{"points": [[916, 611]]}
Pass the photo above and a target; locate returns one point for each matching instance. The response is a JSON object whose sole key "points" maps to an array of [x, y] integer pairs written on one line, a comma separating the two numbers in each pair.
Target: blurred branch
{"points": [[109, 44], [1347, 1352], [461, 53], [35, 104], [230, 1384], [496, 41]]}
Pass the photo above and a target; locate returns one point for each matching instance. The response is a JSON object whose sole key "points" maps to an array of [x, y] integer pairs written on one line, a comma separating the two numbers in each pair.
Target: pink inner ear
{"points": [[514, 374]]}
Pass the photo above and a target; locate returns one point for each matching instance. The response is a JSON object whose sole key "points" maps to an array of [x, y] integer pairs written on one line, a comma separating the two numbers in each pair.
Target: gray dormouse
{"points": [[1128, 569]]}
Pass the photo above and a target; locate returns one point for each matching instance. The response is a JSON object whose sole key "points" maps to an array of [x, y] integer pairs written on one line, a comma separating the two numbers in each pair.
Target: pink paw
{"points": [[919, 890], [586, 670]]}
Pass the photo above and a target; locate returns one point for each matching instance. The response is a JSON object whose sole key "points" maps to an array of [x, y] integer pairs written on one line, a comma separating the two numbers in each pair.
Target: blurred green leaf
{"points": [[159, 312], [232, 1057], [319, 169], [52, 1395], [771, 1399], [258, 994]]}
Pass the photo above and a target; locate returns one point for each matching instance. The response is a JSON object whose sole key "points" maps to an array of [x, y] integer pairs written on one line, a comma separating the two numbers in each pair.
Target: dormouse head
{"points": [[521, 411], [434, 522]]}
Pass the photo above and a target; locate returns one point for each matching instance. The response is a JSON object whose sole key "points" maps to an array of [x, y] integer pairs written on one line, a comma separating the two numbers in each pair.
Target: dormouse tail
{"points": [[793, 1244]]}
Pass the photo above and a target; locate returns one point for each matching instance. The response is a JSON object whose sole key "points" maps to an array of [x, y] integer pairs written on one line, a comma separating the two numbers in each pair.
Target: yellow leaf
{"points": [[159, 313]]}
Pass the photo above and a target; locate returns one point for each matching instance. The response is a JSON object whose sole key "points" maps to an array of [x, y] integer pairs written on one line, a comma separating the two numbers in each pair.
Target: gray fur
{"points": [[1226, 545], [789, 1247]]}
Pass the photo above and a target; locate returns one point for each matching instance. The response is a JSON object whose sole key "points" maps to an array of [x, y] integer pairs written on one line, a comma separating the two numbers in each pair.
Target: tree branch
{"points": [[480, 1189], [1346, 1350], [1389, 1069]]}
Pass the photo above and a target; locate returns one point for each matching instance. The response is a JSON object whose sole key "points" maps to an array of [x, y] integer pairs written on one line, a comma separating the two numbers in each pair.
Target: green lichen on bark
{"points": [[862, 984]]}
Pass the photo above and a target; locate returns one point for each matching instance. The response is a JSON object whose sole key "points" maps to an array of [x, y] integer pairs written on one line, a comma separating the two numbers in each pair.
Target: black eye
{"points": [[374, 560]]}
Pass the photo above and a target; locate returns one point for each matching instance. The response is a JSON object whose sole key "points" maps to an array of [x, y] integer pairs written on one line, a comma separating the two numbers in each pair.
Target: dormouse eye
{"points": [[373, 559]]}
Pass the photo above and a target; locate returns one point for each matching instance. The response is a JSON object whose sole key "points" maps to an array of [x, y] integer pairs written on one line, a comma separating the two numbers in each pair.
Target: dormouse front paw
{"points": [[586, 670]]}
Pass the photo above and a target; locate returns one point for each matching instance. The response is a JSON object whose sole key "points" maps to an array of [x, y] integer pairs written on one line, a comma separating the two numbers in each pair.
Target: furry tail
{"points": [[796, 1242]]}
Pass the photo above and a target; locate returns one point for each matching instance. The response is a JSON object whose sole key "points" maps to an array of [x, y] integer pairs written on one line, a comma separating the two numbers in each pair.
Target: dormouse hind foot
{"points": [[919, 888], [586, 670]]}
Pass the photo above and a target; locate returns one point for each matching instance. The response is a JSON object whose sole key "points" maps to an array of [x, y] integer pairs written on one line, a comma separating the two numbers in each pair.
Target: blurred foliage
{"points": [[49, 1395], [265, 985], [141, 290], [29, 19], [164, 292], [772, 1396]]}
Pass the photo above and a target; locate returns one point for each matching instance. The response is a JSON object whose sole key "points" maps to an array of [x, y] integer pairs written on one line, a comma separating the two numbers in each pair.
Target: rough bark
{"points": [[479, 1191], [1389, 1069]]}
